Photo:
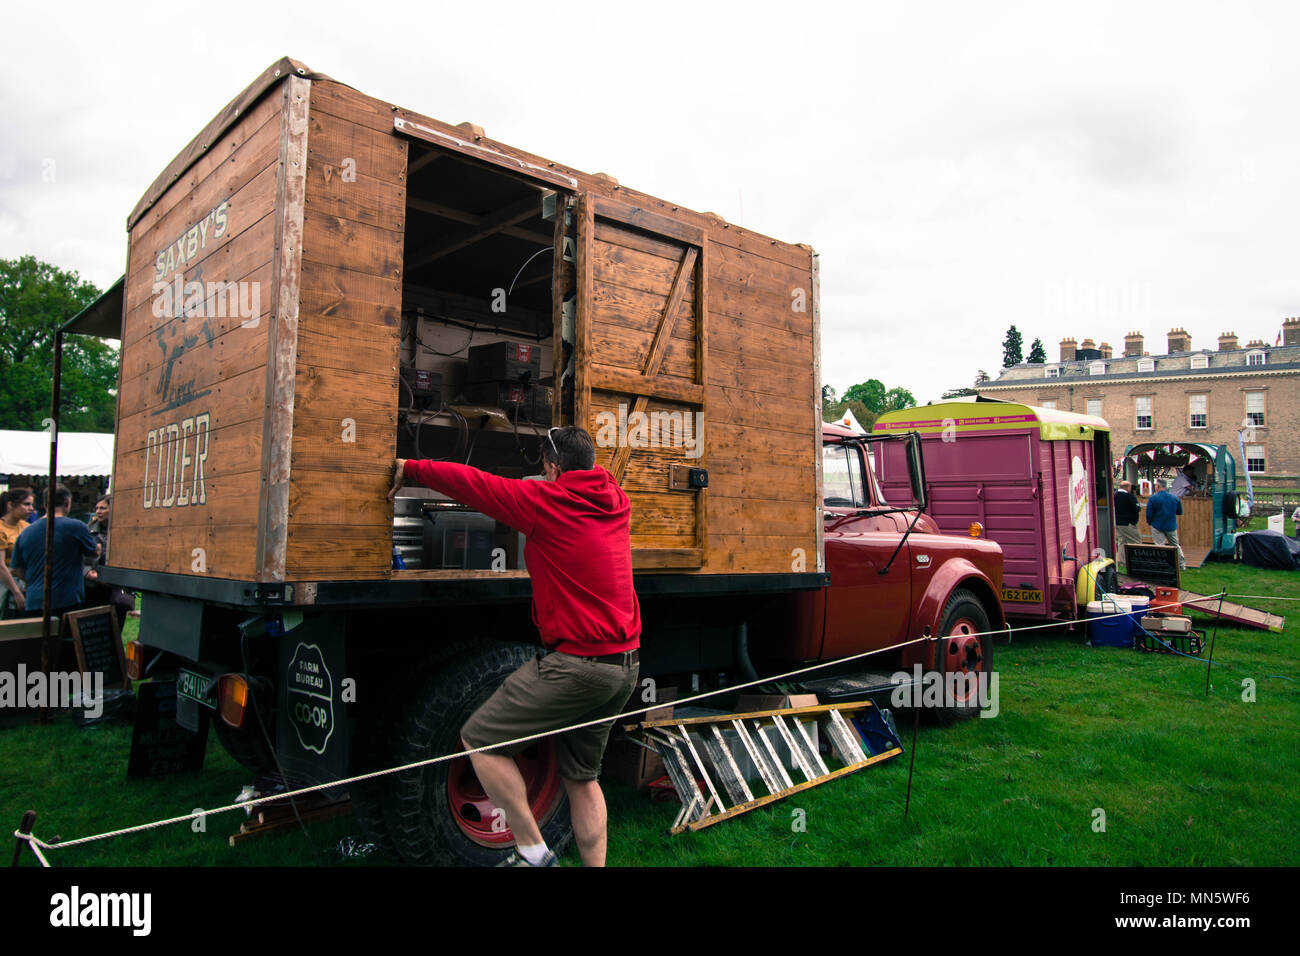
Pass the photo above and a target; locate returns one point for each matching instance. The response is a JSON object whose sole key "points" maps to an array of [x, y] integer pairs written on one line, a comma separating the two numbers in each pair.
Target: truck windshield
{"points": [[842, 477]]}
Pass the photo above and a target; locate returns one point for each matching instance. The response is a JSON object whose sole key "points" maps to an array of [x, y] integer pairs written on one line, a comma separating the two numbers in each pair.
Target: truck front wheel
{"points": [[963, 655], [438, 814]]}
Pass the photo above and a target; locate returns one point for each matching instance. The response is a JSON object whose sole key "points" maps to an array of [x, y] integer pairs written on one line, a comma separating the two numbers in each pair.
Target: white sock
{"points": [[533, 854]]}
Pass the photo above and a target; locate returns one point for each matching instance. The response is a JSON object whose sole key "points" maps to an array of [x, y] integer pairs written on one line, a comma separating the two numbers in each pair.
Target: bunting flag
{"points": [[1178, 449], [1193, 458], [1152, 454]]}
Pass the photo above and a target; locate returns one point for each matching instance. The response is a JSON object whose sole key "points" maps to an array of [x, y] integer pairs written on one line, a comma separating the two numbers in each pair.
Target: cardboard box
{"points": [[749, 703], [625, 759], [1168, 623]]}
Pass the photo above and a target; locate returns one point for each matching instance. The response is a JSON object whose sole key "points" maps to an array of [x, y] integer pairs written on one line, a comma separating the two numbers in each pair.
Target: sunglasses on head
{"points": [[550, 437]]}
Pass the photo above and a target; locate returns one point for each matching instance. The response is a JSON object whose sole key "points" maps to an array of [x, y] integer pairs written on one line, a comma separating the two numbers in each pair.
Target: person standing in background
{"points": [[97, 593], [1184, 482], [16, 507], [1126, 519], [72, 540], [1163, 510]]}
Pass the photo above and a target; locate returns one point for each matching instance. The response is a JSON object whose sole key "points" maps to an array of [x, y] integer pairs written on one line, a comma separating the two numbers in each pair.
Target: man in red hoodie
{"points": [[579, 557]]}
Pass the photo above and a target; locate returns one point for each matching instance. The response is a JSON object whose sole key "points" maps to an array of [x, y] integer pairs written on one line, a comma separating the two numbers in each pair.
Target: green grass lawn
{"points": [[1182, 779]]}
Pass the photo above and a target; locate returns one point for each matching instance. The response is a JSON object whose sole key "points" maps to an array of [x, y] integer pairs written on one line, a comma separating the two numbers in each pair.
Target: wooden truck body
{"points": [[300, 255], [323, 282]]}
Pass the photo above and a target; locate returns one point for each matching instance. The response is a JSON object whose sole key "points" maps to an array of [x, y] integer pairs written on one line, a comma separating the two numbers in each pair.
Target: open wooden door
{"points": [[642, 359]]}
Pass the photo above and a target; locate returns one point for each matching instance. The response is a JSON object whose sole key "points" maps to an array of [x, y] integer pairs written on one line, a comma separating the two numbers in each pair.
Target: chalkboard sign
{"points": [[1152, 563], [99, 644], [159, 745]]}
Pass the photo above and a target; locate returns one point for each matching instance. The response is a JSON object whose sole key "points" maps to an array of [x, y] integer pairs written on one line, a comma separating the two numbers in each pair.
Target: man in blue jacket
{"points": [[1163, 510], [72, 540]]}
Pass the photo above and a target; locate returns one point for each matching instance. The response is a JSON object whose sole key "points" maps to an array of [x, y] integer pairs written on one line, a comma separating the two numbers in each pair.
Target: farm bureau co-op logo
{"points": [[311, 698]]}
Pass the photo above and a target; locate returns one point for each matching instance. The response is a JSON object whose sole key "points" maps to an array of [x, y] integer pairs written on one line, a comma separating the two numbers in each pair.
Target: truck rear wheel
{"points": [[438, 814], [963, 654], [246, 745]]}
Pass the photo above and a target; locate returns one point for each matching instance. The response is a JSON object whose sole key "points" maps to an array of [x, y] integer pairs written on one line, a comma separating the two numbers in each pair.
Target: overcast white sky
{"points": [[1075, 169]]}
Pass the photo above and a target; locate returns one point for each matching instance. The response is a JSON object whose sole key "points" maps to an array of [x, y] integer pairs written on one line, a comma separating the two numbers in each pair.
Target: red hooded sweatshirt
{"points": [[577, 548]]}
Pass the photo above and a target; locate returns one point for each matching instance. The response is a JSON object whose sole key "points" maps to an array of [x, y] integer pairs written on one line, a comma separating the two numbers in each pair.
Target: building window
{"points": [[1146, 365], [1197, 414], [1144, 412], [1047, 403], [1097, 368], [1094, 407], [1200, 361], [1052, 371], [1255, 408], [1255, 358], [1255, 459]]}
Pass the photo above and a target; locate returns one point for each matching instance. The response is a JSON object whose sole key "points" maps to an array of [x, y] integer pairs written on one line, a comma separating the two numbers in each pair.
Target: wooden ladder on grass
{"points": [[729, 745]]}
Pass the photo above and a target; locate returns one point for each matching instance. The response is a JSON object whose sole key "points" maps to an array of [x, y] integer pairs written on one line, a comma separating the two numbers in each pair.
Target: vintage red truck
{"points": [[389, 285]]}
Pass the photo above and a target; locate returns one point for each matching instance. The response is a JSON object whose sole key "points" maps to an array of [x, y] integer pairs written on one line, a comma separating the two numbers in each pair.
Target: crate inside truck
{"points": [[321, 282]]}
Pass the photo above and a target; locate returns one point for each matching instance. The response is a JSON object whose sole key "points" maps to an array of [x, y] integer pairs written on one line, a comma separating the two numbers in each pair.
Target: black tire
{"points": [[373, 747], [963, 608], [246, 746], [416, 805]]}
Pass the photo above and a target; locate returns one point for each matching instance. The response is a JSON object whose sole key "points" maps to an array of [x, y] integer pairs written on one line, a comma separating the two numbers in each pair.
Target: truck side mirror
{"points": [[916, 469]]}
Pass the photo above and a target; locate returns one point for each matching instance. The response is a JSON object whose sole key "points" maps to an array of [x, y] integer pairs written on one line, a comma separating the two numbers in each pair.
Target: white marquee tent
{"points": [[81, 454]]}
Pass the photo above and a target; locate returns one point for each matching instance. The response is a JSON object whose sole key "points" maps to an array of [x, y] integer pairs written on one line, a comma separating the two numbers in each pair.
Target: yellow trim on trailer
{"points": [[958, 417]]}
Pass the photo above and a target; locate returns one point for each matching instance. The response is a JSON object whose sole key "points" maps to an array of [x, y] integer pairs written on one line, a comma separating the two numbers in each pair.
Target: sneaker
{"points": [[517, 859]]}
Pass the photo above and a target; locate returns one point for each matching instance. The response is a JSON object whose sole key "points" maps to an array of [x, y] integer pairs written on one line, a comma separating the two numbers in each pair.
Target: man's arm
{"points": [[509, 500], [89, 545]]}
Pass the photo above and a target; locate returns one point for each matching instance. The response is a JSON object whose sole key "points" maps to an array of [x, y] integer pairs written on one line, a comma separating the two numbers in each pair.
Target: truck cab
{"points": [[894, 576]]}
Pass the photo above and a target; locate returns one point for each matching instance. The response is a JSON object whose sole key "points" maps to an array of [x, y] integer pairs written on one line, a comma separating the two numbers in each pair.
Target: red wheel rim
{"points": [[475, 813], [963, 654]]}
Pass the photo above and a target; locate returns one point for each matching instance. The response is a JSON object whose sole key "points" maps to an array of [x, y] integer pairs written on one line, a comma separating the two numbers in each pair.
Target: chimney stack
{"points": [[1106, 350], [1179, 341], [1133, 345], [1068, 347], [1291, 331], [1228, 342], [1256, 344]]}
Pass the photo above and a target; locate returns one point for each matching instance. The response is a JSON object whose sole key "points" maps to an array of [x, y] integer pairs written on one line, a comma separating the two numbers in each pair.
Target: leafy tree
{"points": [[981, 377], [1037, 354], [35, 299], [1012, 352], [870, 393], [865, 416], [957, 393], [899, 398]]}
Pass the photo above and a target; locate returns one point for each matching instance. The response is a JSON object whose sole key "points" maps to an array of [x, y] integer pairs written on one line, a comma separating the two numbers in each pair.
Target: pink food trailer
{"points": [[1035, 480]]}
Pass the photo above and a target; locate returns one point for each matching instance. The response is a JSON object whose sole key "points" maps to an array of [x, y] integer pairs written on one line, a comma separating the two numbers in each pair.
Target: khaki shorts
{"points": [[555, 691]]}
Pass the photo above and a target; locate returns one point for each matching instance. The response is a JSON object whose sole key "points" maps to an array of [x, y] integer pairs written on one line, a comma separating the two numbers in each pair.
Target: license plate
{"points": [[190, 685], [1022, 595]]}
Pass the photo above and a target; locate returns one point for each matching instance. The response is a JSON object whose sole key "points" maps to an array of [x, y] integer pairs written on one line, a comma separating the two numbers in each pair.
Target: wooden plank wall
{"points": [[346, 386], [763, 416], [192, 381], [763, 443]]}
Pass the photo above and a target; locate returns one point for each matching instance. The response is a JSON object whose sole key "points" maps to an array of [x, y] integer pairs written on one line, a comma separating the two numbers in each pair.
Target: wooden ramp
{"points": [[1234, 613], [1195, 556]]}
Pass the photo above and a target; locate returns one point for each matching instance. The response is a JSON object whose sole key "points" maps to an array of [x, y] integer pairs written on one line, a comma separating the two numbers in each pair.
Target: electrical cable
{"points": [[525, 266], [257, 714]]}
